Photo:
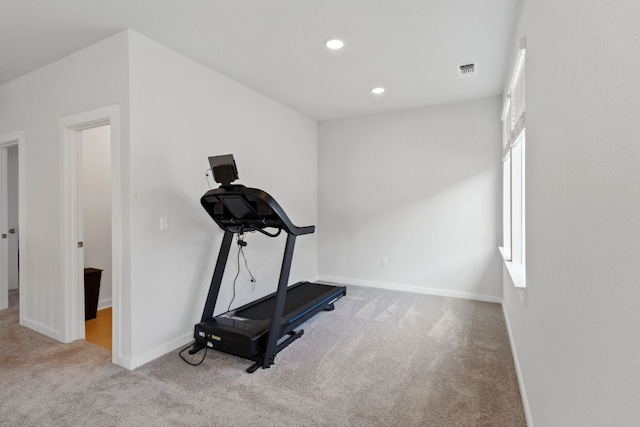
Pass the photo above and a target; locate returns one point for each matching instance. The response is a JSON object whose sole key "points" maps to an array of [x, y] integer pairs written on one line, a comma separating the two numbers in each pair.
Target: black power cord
{"points": [[246, 264], [241, 245], [206, 174], [191, 363]]}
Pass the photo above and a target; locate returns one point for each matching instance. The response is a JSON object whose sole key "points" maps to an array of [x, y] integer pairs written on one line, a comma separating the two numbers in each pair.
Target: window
{"points": [[513, 156]]}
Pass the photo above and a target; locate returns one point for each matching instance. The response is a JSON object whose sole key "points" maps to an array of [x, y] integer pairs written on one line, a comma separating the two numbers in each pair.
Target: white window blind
{"points": [[513, 113], [513, 155]]}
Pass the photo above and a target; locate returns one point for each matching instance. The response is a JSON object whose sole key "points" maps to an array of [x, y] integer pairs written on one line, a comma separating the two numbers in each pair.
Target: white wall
{"points": [[96, 197], [181, 113], [92, 78], [575, 332], [12, 214], [420, 187]]}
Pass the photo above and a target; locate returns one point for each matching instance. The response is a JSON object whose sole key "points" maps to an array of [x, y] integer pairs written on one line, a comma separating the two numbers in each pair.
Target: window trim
{"points": [[513, 250]]}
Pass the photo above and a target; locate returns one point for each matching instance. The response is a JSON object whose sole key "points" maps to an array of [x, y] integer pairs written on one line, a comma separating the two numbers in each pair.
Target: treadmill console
{"points": [[238, 208]]}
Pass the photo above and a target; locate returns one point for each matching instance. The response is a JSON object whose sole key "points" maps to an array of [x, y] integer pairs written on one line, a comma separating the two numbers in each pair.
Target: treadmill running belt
{"points": [[297, 297]]}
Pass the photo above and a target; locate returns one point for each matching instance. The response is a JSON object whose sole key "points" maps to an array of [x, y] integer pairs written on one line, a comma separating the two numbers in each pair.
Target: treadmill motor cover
{"points": [[233, 335]]}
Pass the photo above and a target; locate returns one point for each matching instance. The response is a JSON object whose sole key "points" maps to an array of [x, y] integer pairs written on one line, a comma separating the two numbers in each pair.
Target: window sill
{"points": [[516, 270]]}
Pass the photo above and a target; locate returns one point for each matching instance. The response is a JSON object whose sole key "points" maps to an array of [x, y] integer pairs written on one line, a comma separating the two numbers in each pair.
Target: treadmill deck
{"points": [[244, 331]]}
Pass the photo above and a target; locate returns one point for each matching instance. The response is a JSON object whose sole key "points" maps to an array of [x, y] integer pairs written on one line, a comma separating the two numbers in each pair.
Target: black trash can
{"points": [[91, 292]]}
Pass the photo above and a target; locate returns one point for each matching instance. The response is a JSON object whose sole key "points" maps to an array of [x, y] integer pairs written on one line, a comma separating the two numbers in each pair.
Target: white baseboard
{"points": [[415, 289], [42, 329], [516, 362], [156, 352], [105, 304], [121, 361]]}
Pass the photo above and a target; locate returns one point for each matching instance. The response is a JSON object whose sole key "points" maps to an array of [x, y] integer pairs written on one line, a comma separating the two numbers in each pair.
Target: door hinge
{"points": [[81, 244], [4, 236]]}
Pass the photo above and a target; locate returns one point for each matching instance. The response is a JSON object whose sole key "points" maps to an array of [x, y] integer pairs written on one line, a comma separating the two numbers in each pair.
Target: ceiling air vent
{"points": [[467, 70]]}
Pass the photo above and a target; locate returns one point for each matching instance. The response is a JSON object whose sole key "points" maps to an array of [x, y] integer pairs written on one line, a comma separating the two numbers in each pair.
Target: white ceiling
{"points": [[411, 47]]}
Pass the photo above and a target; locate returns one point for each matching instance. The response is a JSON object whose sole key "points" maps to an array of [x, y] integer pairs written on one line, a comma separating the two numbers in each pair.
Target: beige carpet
{"points": [[382, 358], [14, 298]]}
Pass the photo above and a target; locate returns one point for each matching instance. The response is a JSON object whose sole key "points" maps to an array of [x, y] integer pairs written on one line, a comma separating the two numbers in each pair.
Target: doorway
{"points": [[11, 211], [95, 157], [72, 133], [13, 229]]}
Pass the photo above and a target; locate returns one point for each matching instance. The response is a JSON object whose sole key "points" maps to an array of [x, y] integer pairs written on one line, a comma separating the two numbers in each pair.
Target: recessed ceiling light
{"points": [[334, 43], [377, 90]]}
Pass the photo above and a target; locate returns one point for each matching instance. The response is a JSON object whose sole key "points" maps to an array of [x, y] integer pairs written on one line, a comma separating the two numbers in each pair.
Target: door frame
{"points": [[6, 141], [71, 128]]}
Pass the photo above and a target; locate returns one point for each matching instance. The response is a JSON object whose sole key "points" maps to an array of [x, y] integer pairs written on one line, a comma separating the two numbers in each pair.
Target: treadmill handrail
{"points": [[228, 221]]}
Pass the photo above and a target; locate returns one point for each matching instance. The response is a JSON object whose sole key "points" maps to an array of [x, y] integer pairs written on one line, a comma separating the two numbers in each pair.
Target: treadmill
{"points": [[259, 330]]}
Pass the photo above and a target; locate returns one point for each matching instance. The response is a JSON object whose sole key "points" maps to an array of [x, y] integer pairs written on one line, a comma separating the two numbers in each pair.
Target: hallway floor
{"points": [[98, 330]]}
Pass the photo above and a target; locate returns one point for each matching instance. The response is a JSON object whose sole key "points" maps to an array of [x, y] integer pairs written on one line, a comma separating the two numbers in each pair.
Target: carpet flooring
{"points": [[381, 358], [14, 298]]}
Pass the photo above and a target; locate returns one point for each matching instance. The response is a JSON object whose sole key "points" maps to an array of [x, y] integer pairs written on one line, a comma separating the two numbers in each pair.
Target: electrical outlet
{"points": [[384, 261], [164, 223], [258, 275]]}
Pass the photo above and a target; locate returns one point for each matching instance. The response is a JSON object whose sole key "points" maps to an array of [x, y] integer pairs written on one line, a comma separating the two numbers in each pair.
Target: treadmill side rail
{"points": [[260, 363]]}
